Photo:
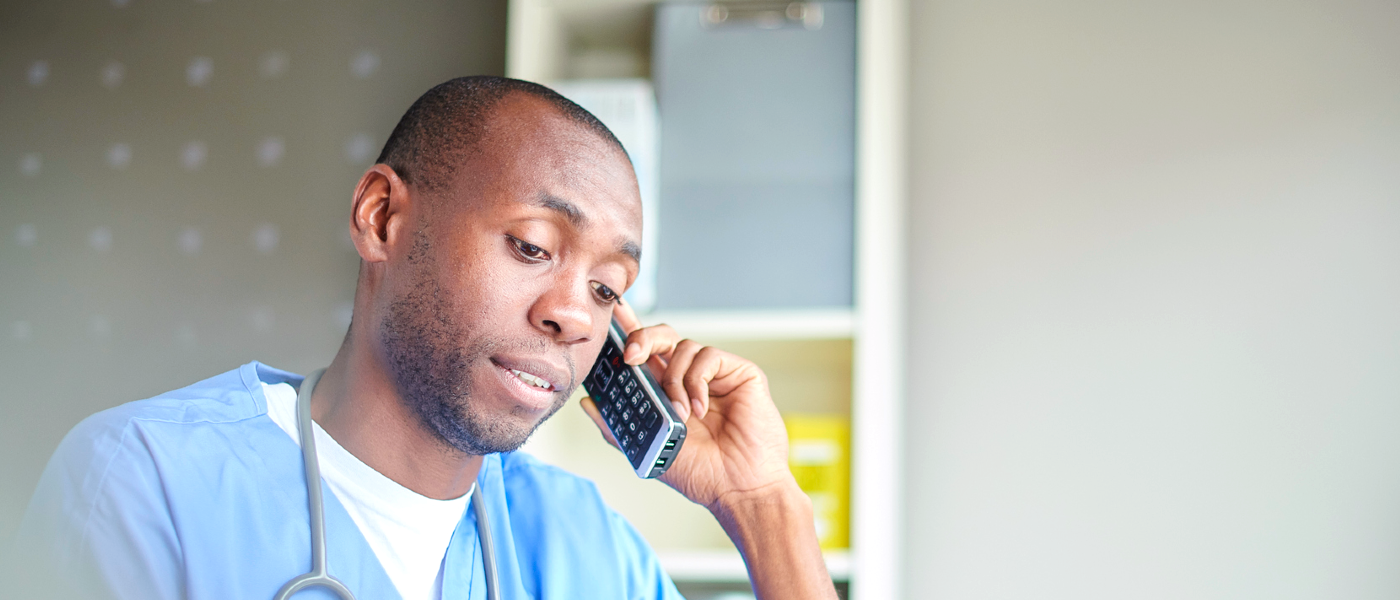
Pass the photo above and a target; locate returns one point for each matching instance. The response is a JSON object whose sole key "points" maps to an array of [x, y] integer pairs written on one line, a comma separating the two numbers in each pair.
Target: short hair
{"points": [[430, 141]]}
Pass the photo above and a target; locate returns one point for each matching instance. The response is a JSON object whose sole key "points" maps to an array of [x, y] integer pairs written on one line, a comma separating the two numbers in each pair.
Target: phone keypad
{"points": [[623, 404], [626, 407]]}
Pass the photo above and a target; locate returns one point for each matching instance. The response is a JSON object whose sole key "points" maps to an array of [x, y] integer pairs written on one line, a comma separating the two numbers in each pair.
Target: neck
{"points": [[357, 403]]}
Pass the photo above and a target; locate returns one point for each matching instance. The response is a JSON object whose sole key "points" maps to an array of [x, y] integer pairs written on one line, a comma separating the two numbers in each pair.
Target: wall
{"points": [[1155, 343], [175, 183]]}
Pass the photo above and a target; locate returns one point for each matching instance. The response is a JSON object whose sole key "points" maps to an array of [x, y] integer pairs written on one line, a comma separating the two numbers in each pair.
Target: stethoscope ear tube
{"points": [[488, 547], [317, 575]]}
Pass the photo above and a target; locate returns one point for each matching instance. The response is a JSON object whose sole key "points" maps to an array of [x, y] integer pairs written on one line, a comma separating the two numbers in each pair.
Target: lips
{"points": [[532, 380], [535, 375]]}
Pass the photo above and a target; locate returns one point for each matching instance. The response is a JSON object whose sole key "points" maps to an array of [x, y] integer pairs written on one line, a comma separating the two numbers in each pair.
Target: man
{"points": [[497, 234]]}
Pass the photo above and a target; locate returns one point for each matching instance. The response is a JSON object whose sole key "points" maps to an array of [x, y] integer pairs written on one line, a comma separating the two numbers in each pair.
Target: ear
{"points": [[377, 217]]}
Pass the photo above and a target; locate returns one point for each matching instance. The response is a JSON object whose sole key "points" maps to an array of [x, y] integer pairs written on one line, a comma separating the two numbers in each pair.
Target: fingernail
{"points": [[699, 408], [632, 350]]}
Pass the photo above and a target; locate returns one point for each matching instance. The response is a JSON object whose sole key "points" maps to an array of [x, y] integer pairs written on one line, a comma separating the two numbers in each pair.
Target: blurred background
{"points": [[1059, 299]]}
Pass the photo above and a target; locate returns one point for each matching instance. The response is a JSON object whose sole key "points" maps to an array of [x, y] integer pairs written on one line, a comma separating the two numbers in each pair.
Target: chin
{"points": [[506, 431]]}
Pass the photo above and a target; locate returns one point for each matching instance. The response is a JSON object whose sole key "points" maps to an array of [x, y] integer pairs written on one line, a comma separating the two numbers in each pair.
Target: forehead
{"points": [[529, 150]]}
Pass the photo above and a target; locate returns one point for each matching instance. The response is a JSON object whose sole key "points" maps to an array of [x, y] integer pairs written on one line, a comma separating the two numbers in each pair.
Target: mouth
{"points": [[532, 380], [532, 383]]}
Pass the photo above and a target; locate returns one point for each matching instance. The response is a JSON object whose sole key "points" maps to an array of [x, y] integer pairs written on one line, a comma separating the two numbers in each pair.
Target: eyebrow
{"points": [[631, 249], [576, 218], [564, 207]]}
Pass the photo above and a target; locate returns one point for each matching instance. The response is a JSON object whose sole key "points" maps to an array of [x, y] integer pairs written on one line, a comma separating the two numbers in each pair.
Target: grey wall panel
{"points": [[757, 161], [1154, 272], [175, 182]]}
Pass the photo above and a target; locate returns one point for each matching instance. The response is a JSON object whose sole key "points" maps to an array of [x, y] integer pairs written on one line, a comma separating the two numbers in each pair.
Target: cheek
{"points": [[586, 354], [497, 289]]}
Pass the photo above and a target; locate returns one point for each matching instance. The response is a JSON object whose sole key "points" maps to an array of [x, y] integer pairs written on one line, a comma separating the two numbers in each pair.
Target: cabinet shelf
{"points": [[774, 324], [819, 361], [728, 566]]}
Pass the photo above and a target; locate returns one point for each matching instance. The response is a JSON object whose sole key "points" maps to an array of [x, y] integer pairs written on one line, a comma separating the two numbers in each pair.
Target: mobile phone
{"points": [[635, 408]]}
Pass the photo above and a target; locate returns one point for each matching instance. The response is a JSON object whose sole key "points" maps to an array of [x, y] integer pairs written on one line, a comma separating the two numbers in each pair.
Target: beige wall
{"points": [[1155, 300], [125, 278]]}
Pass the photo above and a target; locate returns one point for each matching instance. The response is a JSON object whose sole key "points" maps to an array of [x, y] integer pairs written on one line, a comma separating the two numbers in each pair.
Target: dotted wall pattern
{"points": [[175, 180]]}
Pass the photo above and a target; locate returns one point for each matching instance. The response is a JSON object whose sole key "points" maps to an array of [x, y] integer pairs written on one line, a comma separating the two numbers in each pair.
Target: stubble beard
{"points": [[433, 373]]}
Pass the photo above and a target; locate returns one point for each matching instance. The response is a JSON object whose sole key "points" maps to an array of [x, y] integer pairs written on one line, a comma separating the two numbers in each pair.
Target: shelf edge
{"points": [[782, 324]]}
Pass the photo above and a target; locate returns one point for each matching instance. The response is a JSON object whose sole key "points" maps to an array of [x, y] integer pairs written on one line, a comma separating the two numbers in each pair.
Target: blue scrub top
{"points": [[198, 494]]}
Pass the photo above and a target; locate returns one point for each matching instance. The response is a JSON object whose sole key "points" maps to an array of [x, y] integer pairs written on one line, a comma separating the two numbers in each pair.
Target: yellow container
{"points": [[819, 453]]}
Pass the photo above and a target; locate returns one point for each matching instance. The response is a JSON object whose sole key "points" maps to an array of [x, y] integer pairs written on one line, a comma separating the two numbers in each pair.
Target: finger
{"points": [[656, 364], [707, 364], [591, 408], [644, 343], [626, 317], [672, 380], [681, 406]]}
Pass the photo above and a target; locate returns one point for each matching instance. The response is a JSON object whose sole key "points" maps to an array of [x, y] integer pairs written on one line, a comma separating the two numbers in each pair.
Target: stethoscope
{"points": [[318, 574]]}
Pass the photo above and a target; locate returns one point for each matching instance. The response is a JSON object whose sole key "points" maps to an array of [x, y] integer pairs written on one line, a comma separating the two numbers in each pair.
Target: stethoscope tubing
{"points": [[319, 576]]}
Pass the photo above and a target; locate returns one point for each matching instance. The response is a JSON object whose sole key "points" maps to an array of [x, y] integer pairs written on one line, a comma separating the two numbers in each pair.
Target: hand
{"points": [[735, 440], [734, 460]]}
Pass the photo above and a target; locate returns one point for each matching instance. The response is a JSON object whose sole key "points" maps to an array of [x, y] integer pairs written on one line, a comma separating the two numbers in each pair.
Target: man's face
{"points": [[503, 298]]}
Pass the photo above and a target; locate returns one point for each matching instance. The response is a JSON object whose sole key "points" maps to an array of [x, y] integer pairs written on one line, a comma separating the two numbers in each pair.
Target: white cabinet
{"points": [[842, 357]]}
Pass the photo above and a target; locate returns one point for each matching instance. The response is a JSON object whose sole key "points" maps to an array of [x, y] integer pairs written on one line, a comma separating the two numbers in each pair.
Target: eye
{"points": [[604, 292], [527, 251]]}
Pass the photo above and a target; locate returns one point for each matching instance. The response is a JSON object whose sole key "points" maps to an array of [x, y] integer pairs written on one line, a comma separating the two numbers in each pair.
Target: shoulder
{"points": [[231, 396], [550, 503], [574, 536], [110, 500], [525, 475], [129, 436], [542, 493]]}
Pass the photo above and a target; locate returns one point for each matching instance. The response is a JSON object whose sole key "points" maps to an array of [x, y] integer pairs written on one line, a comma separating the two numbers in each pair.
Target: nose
{"points": [[565, 311]]}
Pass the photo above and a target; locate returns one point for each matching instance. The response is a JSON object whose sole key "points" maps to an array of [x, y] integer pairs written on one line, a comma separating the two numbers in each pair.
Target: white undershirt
{"points": [[408, 532]]}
